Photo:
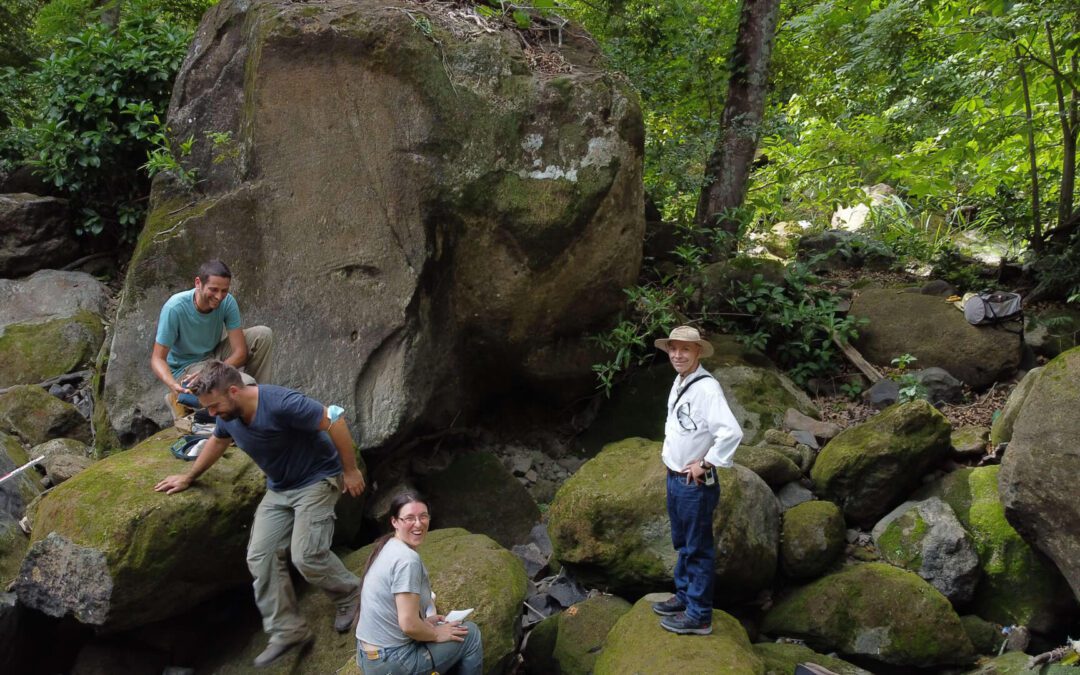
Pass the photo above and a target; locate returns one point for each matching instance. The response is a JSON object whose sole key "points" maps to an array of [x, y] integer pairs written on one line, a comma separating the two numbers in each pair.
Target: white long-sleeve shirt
{"points": [[700, 424]]}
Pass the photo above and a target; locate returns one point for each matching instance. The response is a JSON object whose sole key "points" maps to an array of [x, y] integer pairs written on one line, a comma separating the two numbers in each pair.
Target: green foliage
{"points": [[163, 157], [653, 311], [16, 21], [103, 92], [910, 387]]}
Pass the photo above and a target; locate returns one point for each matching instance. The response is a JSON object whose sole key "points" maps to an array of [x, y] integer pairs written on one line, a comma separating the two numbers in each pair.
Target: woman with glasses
{"points": [[399, 631]]}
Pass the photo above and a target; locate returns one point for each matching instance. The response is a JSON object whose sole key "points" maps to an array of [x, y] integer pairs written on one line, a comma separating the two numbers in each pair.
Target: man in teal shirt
{"points": [[203, 324]]}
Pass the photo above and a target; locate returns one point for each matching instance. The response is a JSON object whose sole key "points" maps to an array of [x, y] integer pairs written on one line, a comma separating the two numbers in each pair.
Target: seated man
{"points": [[201, 325]]}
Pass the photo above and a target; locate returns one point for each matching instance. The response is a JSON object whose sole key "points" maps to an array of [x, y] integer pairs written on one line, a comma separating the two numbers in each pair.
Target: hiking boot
{"points": [[181, 414], [346, 615], [684, 625], [669, 607], [275, 650]]}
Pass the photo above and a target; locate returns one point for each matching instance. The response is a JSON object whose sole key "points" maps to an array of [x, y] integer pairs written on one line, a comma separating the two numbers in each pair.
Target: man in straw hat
{"points": [[700, 434]]}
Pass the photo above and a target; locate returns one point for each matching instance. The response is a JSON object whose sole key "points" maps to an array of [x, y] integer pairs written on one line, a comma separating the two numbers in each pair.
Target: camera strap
{"points": [[684, 390]]}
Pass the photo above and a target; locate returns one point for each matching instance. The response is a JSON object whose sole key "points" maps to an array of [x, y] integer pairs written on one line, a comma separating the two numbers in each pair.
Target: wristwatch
{"points": [[703, 465]]}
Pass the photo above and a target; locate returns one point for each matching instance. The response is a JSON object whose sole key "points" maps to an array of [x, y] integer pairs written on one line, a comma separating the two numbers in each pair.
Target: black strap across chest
{"points": [[688, 385]]}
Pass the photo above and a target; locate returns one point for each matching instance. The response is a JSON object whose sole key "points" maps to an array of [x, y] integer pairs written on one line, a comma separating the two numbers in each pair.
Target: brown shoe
{"points": [[275, 650]]}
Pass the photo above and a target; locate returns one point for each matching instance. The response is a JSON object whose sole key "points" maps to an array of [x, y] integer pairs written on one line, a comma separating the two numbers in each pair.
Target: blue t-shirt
{"points": [[284, 439], [190, 335]]}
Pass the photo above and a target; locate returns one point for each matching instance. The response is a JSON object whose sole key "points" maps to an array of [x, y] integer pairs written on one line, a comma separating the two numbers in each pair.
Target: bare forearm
{"points": [[339, 434]]}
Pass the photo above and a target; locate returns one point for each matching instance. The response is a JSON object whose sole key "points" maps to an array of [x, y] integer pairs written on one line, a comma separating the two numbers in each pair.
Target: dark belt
{"points": [[676, 474]]}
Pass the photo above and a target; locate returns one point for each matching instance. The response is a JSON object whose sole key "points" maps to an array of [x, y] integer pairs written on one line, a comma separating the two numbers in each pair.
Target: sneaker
{"points": [[684, 625], [346, 615], [669, 607], [275, 650]]}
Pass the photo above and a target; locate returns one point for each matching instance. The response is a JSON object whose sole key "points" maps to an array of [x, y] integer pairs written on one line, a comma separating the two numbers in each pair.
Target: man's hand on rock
{"points": [[173, 484], [354, 482]]}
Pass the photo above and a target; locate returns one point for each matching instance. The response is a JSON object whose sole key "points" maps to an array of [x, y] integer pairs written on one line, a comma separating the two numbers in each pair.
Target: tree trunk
{"points": [[1067, 116], [728, 168], [1036, 227]]}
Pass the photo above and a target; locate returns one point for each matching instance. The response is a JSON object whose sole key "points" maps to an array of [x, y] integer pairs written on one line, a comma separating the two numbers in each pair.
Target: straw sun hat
{"points": [[686, 334]]}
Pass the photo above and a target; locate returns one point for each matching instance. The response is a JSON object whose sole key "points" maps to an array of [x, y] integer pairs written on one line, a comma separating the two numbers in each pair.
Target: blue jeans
{"points": [[424, 658], [690, 509]]}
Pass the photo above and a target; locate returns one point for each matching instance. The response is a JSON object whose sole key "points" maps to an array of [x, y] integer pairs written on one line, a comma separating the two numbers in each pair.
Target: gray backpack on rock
{"points": [[992, 307]]}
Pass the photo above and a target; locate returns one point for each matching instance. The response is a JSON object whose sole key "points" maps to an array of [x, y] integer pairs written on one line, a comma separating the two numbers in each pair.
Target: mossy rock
{"points": [[811, 538], [466, 570], [1019, 585], [32, 352], [13, 546], [718, 279], [475, 486], [985, 635], [1001, 430], [609, 522], [34, 416], [570, 642], [1009, 663], [970, 441], [781, 658], [151, 551], [638, 645], [774, 467], [869, 468], [874, 611], [760, 397], [16, 492]]}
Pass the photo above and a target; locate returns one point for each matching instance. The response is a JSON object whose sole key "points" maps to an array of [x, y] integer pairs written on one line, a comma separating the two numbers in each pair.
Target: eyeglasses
{"points": [[683, 415], [412, 520]]}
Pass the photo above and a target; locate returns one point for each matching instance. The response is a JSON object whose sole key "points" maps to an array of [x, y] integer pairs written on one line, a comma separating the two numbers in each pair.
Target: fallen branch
{"points": [[857, 360]]}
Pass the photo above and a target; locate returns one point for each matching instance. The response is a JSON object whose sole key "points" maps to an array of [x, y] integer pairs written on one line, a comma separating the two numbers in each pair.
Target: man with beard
{"points": [[308, 457], [203, 323]]}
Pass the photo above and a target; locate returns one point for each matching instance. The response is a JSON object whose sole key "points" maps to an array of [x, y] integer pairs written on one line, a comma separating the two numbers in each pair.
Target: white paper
{"points": [[458, 615]]}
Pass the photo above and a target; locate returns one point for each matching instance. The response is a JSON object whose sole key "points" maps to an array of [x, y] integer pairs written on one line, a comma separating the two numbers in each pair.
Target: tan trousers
{"points": [[259, 367]]}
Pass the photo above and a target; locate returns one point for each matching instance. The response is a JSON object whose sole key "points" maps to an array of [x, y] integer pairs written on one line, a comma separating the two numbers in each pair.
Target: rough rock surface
{"points": [[876, 611], [774, 467], [871, 467], [473, 489], [970, 441], [49, 294], [30, 413], [1039, 470], [609, 521], [1019, 585], [445, 218], [1001, 430], [781, 658], [941, 387], [147, 553], [637, 644], [13, 547], [570, 642], [927, 538], [35, 232], [33, 352], [811, 538], [18, 491], [976, 355], [758, 394]]}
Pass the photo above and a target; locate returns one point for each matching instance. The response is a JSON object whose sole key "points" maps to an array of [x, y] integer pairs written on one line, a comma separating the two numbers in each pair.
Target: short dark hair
{"points": [[216, 376], [213, 268]]}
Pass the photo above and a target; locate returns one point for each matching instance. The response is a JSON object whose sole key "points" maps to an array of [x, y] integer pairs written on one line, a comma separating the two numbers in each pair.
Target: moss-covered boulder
{"points": [[13, 546], [16, 492], [1039, 469], [869, 468], [757, 393], [470, 217], [29, 412], [475, 486], [609, 521], [1001, 430], [772, 465], [977, 355], [637, 644], [985, 635], [1019, 585], [970, 441], [570, 642], [1009, 663], [875, 611], [466, 570], [142, 555], [926, 538], [32, 352], [811, 538], [780, 658]]}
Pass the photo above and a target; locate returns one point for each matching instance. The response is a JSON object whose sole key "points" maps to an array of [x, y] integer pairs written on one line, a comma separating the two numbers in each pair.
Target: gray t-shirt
{"points": [[397, 569]]}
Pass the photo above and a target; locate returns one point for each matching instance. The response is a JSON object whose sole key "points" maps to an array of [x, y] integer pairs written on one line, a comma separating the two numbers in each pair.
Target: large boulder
{"points": [[1019, 585], [1039, 468], [637, 644], [18, 491], [466, 570], [834, 250], [976, 355], [33, 415], [1001, 429], [874, 611], [35, 232], [471, 490], [49, 294], [570, 642], [609, 521], [448, 217], [869, 468], [32, 352], [114, 553], [781, 658], [927, 538], [759, 396], [811, 539], [774, 466]]}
